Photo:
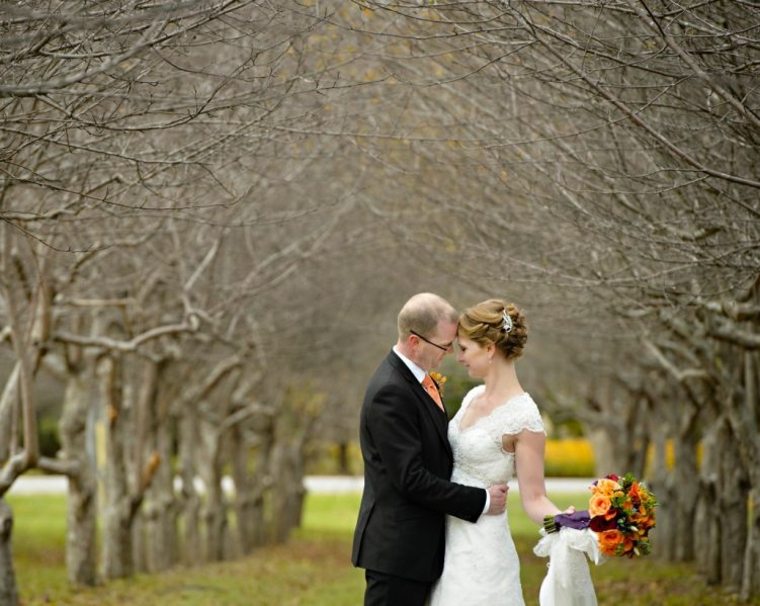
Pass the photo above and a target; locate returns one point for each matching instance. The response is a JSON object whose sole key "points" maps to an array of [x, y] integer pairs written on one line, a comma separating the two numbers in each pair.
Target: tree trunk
{"points": [[751, 569], [117, 526], [160, 518], [82, 496], [660, 484], [639, 438], [118, 559], [8, 591], [751, 426], [159, 521], [707, 522], [190, 503], [606, 457], [289, 493], [139, 541], [245, 494], [280, 520], [214, 513], [9, 411], [344, 463], [262, 484], [214, 508], [685, 478], [733, 507], [258, 515]]}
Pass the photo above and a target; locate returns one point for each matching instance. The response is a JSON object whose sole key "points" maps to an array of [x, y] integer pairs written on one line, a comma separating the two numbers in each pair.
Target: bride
{"points": [[497, 434]]}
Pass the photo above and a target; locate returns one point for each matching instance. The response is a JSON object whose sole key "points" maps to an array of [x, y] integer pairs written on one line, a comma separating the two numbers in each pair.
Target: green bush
{"points": [[47, 428]]}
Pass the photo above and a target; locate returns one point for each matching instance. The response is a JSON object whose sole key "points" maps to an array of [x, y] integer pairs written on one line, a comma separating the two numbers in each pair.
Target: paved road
{"points": [[32, 484], [338, 484]]}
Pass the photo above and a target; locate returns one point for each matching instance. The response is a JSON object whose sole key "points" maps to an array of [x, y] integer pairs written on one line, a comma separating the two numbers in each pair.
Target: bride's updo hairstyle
{"points": [[498, 322]]}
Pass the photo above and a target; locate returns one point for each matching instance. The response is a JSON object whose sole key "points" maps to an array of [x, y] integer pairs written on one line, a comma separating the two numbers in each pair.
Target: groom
{"points": [[399, 537]]}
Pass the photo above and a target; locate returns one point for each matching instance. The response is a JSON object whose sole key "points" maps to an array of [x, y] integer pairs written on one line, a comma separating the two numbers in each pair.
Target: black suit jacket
{"points": [[407, 465]]}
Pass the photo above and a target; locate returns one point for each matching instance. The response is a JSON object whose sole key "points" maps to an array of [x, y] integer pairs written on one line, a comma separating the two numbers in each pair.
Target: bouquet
{"points": [[620, 512]]}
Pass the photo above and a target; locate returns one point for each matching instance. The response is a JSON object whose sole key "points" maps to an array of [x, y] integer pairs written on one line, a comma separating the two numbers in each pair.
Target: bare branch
{"points": [[679, 375], [189, 326], [742, 338]]}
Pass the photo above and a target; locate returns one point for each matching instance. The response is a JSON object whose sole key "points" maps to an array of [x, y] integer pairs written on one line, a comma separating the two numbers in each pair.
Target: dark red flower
{"points": [[600, 524]]}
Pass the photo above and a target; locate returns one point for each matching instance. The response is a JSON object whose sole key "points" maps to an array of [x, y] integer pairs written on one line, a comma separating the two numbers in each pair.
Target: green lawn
{"points": [[312, 569]]}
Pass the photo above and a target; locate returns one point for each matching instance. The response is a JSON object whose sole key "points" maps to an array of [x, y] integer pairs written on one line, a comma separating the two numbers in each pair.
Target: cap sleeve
{"points": [[520, 415]]}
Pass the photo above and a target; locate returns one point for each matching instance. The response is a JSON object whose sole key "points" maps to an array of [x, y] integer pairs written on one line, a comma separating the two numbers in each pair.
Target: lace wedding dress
{"points": [[481, 567]]}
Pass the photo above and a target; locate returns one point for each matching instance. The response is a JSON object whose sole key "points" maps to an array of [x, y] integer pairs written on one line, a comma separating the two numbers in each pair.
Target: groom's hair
{"points": [[422, 313]]}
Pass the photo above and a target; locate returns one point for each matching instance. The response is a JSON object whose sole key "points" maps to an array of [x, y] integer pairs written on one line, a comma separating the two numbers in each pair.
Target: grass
{"points": [[312, 569]]}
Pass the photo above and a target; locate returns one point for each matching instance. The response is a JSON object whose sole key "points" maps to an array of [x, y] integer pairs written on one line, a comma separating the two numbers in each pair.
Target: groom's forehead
{"points": [[447, 329]]}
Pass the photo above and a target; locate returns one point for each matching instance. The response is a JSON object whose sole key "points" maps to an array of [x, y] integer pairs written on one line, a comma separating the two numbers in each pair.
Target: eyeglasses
{"points": [[441, 347]]}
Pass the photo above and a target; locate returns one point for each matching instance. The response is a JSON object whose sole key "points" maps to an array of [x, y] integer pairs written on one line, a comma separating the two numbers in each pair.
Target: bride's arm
{"points": [[529, 462]]}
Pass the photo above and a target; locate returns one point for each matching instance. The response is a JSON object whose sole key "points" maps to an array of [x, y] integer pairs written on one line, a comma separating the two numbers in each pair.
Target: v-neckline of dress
{"points": [[486, 416]]}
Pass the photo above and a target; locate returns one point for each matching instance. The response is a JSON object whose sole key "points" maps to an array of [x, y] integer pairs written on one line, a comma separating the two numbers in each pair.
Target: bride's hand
{"points": [[570, 509]]}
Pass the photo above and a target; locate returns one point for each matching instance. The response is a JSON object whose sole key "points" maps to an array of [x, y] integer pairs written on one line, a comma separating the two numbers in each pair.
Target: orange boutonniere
{"points": [[439, 380]]}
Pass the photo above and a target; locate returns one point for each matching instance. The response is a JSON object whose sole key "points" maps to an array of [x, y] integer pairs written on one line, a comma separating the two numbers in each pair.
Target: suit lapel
{"points": [[436, 416]]}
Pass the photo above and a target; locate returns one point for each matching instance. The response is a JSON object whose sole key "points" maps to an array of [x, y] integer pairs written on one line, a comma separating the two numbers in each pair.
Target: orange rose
{"points": [[599, 505], [634, 491], [645, 521], [606, 487], [609, 541]]}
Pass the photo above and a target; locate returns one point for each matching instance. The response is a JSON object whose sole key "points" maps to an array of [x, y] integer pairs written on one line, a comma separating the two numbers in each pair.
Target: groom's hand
{"points": [[498, 494]]}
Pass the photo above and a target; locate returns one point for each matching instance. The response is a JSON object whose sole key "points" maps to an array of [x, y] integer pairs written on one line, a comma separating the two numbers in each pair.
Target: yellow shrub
{"points": [[569, 458]]}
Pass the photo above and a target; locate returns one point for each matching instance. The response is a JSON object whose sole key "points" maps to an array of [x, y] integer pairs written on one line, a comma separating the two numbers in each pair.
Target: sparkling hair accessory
{"points": [[506, 324]]}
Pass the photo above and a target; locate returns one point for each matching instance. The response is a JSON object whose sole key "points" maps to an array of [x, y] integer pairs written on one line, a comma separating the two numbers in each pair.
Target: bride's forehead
{"points": [[463, 341]]}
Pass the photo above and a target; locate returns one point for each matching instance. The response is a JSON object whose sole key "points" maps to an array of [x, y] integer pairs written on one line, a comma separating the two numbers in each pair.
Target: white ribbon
{"points": [[568, 580]]}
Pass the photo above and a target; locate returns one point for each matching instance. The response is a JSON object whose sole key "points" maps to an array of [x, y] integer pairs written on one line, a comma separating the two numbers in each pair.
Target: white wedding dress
{"points": [[481, 567]]}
